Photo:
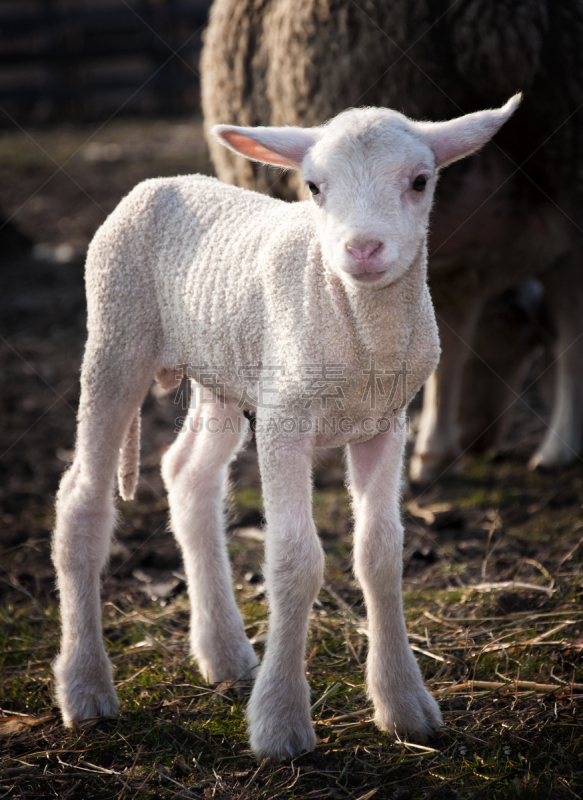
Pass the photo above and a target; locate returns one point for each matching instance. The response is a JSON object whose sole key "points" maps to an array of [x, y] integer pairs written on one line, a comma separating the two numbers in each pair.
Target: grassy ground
{"points": [[503, 660], [492, 589]]}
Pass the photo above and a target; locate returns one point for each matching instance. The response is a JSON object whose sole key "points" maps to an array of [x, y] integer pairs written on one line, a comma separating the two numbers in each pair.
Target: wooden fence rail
{"points": [[86, 59]]}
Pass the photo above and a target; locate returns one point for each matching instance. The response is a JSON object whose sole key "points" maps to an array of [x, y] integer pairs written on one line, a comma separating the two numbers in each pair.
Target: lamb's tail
{"points": [[129, 460]]}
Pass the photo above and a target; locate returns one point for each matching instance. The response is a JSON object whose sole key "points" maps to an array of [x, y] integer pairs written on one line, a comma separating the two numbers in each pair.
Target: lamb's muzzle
{"points": [[190, 271]]}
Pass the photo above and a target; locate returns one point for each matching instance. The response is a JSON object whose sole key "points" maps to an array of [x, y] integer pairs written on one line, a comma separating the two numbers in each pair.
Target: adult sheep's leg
{"points": [[110, 398], [437, 444], [512, 329], [394, 682], [195, 473], [564, 295], [278, 712]]}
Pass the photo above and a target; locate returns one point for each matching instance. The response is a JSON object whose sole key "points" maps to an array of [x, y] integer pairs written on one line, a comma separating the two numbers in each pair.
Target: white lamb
{"points": [[261, 295]]}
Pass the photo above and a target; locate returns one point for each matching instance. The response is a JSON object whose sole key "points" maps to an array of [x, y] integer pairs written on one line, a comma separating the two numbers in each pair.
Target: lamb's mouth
{"points": [[368, 277]]}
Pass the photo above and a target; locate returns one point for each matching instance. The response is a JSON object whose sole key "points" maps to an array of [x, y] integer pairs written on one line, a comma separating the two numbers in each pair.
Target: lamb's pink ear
{"points": [[284, 147], [461, 137]]}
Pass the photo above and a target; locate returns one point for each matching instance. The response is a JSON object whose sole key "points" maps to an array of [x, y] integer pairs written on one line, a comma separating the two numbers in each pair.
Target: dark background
{"points": [[84, 60]]}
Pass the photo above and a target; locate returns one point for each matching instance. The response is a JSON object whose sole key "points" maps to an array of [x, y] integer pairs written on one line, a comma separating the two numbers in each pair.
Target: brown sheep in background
{"points": [[511, 212]]}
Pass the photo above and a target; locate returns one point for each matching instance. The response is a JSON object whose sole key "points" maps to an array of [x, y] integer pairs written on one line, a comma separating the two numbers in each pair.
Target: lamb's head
{"points": [[372, 175]]}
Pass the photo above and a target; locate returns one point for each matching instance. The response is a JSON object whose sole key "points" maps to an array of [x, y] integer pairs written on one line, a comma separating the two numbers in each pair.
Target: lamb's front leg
{"points": [[394, 682], [278, 712]]}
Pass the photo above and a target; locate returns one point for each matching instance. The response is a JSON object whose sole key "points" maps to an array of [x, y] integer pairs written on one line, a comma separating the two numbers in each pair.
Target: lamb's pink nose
{"points": [[364, 251]]}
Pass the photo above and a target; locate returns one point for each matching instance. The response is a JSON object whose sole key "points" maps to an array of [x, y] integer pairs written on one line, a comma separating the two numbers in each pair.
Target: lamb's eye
{"points": [[419, 183], [313, 188]]}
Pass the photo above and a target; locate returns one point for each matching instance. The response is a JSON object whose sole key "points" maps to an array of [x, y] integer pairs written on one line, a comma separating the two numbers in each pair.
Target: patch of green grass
{"points": [[248, 498], [488, 498]]}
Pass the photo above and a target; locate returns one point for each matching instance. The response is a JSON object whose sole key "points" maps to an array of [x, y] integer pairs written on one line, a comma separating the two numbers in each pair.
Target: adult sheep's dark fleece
{"points": [[300, 62]]}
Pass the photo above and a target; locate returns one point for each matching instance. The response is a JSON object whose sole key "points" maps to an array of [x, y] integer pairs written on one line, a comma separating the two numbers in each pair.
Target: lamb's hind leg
{"points": [[195, 473], [394, 683], [110, 398]]}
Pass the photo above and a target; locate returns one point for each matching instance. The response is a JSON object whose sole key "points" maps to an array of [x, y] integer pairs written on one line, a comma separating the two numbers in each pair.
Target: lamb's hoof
{"points": [[84, 689], [238, 664], [281, 739], [278, 717], [415, 714]]}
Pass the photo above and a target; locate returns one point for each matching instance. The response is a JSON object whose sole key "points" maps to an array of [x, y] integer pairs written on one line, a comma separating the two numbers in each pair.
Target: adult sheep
{"points": [[512, 212], [264, 295]]}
